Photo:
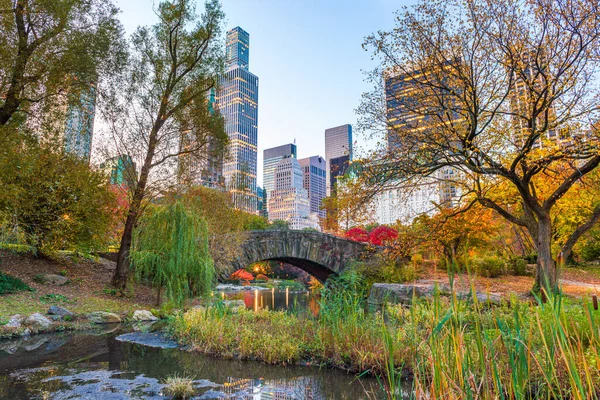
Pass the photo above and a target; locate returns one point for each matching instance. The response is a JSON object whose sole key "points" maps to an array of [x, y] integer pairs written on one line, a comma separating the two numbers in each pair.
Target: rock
{"points": [[60, 311], [37, 321], [396, 293], [101, 317], [26, 333], [15, 321], [35, 343], [143, 315], [53, 279], [57, 318]]}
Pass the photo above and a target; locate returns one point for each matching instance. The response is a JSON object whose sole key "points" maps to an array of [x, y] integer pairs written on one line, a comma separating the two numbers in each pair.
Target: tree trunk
{"points": [[547, 274]]}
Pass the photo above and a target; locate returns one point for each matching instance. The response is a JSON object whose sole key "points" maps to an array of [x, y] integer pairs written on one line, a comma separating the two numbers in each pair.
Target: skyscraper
{"points": [[337, 167], [237, 101], [271, 158], [121, 170], [289, 201], [338, 142], [315, 182], [79, 125]]}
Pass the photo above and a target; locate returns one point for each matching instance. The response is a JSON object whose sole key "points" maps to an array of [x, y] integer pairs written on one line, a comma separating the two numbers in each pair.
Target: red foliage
{"points": [[242, 275], [262, 277], [382, 235], [358, 235]]}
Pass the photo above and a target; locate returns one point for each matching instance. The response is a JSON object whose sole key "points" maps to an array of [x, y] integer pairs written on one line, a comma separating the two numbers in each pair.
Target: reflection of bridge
{"points": [[317, 253]]}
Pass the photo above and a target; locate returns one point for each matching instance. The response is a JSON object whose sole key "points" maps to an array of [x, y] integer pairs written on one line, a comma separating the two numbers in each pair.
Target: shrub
{"points": [[519, 266], [262, 277], [10, 284], [491, 266], [357, 235], [179, 387]]}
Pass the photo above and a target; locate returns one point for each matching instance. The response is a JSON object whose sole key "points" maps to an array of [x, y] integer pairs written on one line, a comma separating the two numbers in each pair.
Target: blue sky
{"points": [[309, 59]]}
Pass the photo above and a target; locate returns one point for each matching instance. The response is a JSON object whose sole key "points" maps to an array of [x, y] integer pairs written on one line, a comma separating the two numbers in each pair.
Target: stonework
{"points": [[316, 253]]}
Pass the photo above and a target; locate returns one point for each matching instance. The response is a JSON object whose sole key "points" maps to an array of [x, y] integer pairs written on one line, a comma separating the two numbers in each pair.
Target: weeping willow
{"points": [[170, 249]]}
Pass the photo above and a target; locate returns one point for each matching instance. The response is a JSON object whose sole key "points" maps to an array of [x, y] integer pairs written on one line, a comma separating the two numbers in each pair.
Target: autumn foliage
{"points": [[242, 275], [358, 235], [382, 235]]}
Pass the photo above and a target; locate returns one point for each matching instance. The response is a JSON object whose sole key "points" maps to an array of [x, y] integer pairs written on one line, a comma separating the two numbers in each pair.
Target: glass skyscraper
{"points": [[338, 143], [237, 100], [271, 158], [315, 182], [79, 125]]}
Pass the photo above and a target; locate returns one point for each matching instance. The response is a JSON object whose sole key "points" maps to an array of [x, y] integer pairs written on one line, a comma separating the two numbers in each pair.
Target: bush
{"points": [[491, 266], [519, 266], [10, 284], [179, 387]]}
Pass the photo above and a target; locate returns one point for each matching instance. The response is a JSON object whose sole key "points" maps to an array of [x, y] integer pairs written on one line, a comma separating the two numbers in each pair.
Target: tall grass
{"points": [[452, 348]]}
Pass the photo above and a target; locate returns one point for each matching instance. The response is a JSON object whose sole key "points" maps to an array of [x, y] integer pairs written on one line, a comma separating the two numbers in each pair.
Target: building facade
{"points": [[289, 200], [338, 143], [203, 167], [314, 180], [271, 158], [237, 101], [121, 170], [337, 168], [79, 124]]}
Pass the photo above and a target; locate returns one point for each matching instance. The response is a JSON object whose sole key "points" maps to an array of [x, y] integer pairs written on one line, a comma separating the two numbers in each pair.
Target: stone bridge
{"points": [[317, 253]]}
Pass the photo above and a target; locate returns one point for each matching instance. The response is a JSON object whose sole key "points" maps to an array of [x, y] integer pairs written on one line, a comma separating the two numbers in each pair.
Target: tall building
{"points": [[121, 170], [237, 101], [289, 201], [314, 180], [407, 112], [337, 167], [79, 125], [261, 205], [272, 157], [203, 167], [338, 143]]}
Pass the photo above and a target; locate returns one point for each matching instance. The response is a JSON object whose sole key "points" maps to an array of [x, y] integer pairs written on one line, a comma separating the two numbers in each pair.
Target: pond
{"points": [[96, 365], [274, 299]]}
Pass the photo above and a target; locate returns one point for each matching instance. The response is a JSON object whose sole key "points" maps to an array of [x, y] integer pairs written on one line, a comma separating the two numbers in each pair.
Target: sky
{"points": [[308, 57]]}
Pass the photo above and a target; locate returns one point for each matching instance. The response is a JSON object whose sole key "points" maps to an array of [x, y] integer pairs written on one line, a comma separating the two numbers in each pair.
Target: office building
{"points": [[261, 206], [237, 101], [202, 166], [121, 170], [289, 200], [338, 143], [272, 157], [314, 180], [79, 124], [337, 168]]}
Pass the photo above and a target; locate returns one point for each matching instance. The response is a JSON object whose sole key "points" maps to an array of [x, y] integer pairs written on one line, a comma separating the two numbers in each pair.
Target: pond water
{"points": [[279, 300], [98, 366]]}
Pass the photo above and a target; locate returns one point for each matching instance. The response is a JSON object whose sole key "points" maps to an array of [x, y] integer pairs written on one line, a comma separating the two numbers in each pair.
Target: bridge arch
{"points": [[319, 254]]}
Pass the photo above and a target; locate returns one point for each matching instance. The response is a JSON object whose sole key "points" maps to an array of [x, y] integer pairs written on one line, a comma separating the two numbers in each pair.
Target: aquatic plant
{"points": [[179, 387]]}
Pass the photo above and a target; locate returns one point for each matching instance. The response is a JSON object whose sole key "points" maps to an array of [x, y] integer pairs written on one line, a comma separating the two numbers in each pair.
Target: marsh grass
{"points": [[179, 387], [452, 348]]}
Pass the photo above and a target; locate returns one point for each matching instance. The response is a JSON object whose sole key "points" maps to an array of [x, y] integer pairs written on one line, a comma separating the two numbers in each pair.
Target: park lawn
{"points": [[88, 289]]}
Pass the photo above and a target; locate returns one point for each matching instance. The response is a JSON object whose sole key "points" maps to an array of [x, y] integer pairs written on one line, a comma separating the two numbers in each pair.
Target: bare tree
{"points": [[492, 97], [162, 95]]}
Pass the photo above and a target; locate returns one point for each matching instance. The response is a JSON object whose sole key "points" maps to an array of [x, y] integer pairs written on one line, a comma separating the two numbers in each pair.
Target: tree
{"points": [[279, 225], [162, 94], [501, 92], [52, 47], [382, 235], [358, 235], [171, 250], [53, 201]]}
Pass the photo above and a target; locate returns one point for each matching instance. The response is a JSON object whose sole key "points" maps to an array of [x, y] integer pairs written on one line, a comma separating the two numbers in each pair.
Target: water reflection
{"points": [[86, 366], [280, 300]]}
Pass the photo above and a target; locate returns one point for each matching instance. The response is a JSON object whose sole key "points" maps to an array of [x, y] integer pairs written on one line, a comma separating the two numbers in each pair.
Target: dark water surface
{"points": [[98, 366]]}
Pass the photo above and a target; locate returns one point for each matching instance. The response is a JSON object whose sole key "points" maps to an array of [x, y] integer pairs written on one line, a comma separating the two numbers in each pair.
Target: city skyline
{"points": [[327, 85]]}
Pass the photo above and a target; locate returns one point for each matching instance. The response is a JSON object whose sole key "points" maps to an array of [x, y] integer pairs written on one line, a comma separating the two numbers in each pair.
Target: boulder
{"points": [[396, 293], [37, 321], [60, 311], [57, 318], [53, 279], [143, 315], [101, 317], [15, 321]]}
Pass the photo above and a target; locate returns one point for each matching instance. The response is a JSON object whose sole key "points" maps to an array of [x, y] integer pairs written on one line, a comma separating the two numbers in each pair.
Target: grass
{"points": [[453, 349], [179, 387]]}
